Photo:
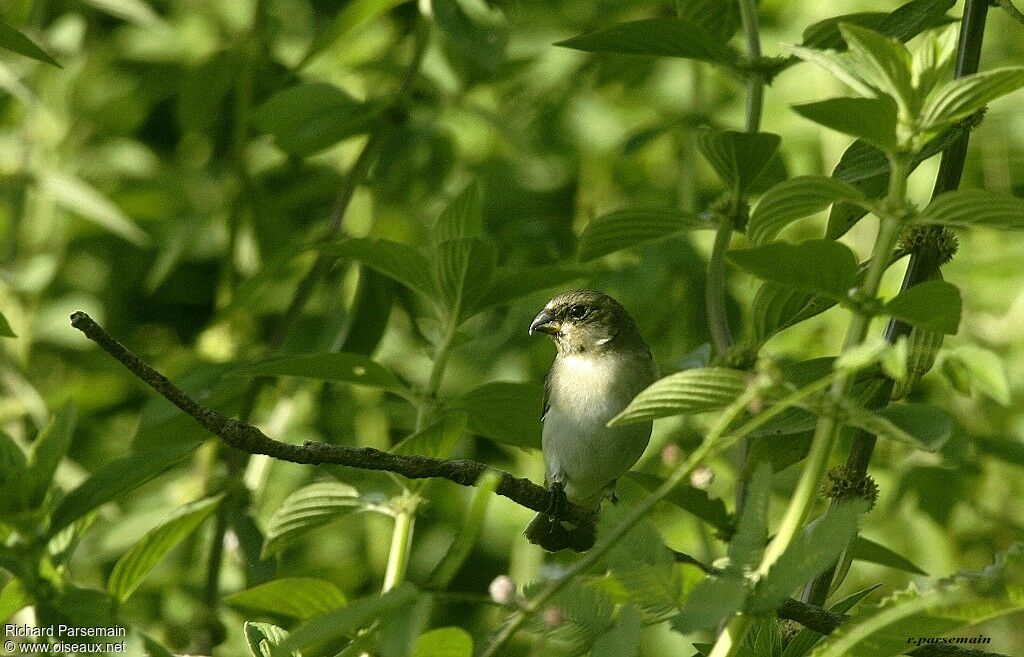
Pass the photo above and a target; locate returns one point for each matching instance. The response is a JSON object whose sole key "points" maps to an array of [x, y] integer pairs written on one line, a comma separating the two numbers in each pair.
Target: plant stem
{"points": [[401, 541], [924, 265]]}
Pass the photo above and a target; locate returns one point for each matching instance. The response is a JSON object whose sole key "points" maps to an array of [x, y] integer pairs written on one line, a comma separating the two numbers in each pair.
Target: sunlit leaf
{"points": [[962, 97], [921, 426], [981, 369], [882, 62], [863, 549], [13, 40], [870, 119], [262, 638], [933, 305], [630, 227], [400, 262], [307, 509], [444, 642], [690, 391], [794, 199], [437, 440], [150, 550], [83, 199], [292, 597], [816, 266], [975, 207], [13, 598]]}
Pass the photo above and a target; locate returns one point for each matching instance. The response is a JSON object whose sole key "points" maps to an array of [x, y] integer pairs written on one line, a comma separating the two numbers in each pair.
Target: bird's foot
{"points": [[556, 503]]}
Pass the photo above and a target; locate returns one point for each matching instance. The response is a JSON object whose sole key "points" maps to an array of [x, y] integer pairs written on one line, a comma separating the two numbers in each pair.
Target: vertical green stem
{"points": [[401, 540]]}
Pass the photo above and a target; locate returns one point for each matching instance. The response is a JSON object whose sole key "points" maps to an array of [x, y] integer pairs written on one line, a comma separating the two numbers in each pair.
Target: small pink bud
{"points": [[553, 617], [502, 590], [670, 453]]}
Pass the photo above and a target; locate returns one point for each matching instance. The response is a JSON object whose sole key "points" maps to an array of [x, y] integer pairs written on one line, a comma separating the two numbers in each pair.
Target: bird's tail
{"points": [[553, 536]]}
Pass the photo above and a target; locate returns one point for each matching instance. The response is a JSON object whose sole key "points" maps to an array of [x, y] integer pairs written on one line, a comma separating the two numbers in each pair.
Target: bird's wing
{"points": [[547, 395]]}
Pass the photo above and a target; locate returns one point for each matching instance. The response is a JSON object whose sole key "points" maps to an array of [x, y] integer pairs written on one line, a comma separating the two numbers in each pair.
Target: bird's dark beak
{"points": [[545, 323]]}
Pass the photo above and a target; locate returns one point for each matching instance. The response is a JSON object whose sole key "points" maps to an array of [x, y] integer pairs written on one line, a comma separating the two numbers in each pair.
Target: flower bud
{"points": [[502, 590]]}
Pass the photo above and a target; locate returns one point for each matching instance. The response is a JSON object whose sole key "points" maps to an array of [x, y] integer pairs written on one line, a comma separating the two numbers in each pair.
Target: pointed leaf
{"points": [[747, 544], [794, 199], [863, 549], [714, 600], [469, 533], [630, 227], [739, 158], [306, 509], [311, 116], [508, 285], [399, 262], [47, 452], [933, 305], [83, 199], [262, 638], [883, 62], [13, 40], [343, 368], [463, 218], [665, 37], [962, 97], [921, 426], [689, 391], [437, 440], [463, 274], [720, 18], [870, 119], [292, 597], [975, 207], [482, 35], [694, 500], [816, 266], [5, 328], [983, 370], [623, 639], [148, 552]]}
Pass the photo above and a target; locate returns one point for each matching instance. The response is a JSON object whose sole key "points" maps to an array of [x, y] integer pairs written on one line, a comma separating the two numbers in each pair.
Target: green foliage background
{"points": [[172, 174]]}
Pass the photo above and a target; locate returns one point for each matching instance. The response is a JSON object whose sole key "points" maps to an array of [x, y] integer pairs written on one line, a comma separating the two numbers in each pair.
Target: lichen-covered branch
{"points": [[249, 439]]}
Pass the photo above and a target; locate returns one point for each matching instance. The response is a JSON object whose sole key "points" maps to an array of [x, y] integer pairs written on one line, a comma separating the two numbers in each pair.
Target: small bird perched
{"points": [[601, 365]]}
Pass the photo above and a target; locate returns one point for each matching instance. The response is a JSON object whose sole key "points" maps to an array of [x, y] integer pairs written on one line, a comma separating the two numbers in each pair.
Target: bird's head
{"points": [[586, 321]]}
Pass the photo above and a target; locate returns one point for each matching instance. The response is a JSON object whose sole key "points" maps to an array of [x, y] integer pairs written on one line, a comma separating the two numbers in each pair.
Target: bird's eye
{"points": [[578, 312]]}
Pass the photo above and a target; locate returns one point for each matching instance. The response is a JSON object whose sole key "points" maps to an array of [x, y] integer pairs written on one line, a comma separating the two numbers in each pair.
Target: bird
{"points": [[601, 364]]}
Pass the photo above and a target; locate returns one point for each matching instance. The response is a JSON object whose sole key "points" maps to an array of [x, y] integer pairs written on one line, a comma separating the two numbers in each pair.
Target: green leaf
{"points": [[83, 199], [13, 40], [508, 285], [623, 639], [694, 500], [763, 638], [816, 548], [444, 642], [720, 18], [292, 597], [714, 600], [794, 199], [369, 313], [399, 262], [870, 119], [13, 598], [306, 509], [462, 218], [777, 307], [342, 368], [664, 37], [689, 391], [133, 11], [921, 426], [144, 555], [311, 116], [816, 266], [982, 370], [13, 477], [962, 97], [825, 35], [739, 158], [506, 412], [630, 227], [477, 31], [882, 62], [468, 534], [345, 622], [882, 631], [5, 328], [114, 479], [933, 305], [975, 207], [747, 544], [910, 19], [437, 440], [47, 451], [463, 274], [863, 549], [840, 65], [262, 638]]}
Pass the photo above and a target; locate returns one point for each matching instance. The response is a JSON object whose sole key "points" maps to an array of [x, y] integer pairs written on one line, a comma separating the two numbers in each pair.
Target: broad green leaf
{"points": [[816, 266], [399, 262], [47, 451], [863, 549], [463, 272], [262, 638], [962, 97], [342, 368], [629, 227], [739, 158], [623, 639], [933, 305], [975, 207], [506, 412], [345, 622], [1005, 449], [763, 638], [882, 631], [747, 544], [883, 62], [114, 479], [840, 65], [13, 598], [508, 285], [689, 391], [720, 18], [777, 307], [794, 199], [292, 597], [665, 37], [714, 600], [903, 23], [83, 199], [469, 533], [463, 218], [311, 116], [5, 328], [369, 313], [870, 119], [478, 31], [147, 553], [921, 426], [694, 500], [825, 35], [816, 548], [13, 40], [306, 509], [444, 642], [932, 60], [976, 368], [437, 440]]}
